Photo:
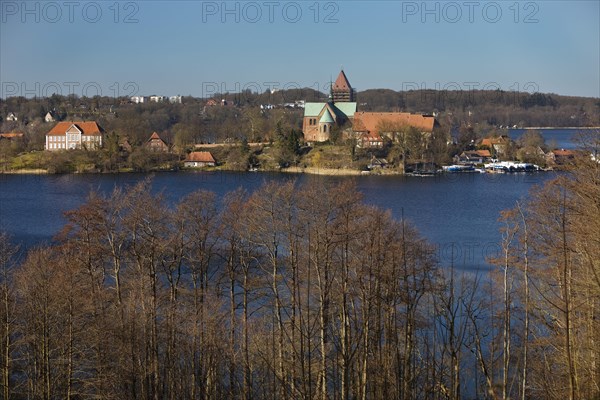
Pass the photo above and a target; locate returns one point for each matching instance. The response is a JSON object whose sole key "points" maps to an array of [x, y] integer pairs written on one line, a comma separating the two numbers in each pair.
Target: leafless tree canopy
{"points": [[302, 292]]}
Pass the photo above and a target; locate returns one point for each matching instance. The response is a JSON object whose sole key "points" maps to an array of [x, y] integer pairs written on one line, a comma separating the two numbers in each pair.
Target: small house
{"points": [[498, 145], [125, 146], [377, 163], [49, 117], [11, 136], [369, 140], [155, 143], [199, 159], [473, 157], [560, 156], [11, 117]]}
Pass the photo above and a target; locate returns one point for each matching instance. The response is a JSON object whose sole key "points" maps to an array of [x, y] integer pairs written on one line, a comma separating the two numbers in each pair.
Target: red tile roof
{"points": [[154, 136], [368, 121], [563, 153], [494, 140], [86, 128], [11, 135], [371, 137], [200, 156], [341, 83]]}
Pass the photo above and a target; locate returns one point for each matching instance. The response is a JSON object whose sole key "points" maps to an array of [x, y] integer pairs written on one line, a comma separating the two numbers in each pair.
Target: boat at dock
{"points": [[495, 167], [511, 166], [458, 168]]}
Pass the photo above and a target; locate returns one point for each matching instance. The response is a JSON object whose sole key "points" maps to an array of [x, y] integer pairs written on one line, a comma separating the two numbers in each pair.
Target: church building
{"points": [[369, 128], [321, 118]]}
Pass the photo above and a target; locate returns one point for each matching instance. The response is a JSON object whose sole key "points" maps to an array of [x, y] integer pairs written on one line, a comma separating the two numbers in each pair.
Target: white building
{"points": [[175, 99], [49, 117], [74, 135], [157, 99], [11, 117], [138, 99]]}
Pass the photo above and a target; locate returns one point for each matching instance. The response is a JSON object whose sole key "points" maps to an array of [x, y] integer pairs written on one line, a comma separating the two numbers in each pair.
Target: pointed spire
{"points": [[341, 89], [342, 83]]}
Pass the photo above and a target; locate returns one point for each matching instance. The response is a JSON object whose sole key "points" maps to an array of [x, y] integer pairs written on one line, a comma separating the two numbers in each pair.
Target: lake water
{"points": [[555, 138], [457, 212]]}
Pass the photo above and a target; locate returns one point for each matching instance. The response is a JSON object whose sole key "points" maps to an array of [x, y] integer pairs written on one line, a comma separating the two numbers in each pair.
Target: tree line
{"points": [[301, 292], [194, 122]]}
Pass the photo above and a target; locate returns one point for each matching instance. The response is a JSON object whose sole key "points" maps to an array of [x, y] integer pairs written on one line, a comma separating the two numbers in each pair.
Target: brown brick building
{"points": [[367, 127], [155, 143], [321, 118]]}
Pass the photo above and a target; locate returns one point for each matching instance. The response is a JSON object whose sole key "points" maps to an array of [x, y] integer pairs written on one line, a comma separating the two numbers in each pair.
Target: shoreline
{"points": [[26, 171], [289, 170], [321, 171], [341, 171], [556, 127]]}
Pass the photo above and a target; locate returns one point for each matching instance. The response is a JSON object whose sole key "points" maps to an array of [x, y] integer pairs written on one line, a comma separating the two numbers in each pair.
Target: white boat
{"points": [[458, 168], [511, 166]]}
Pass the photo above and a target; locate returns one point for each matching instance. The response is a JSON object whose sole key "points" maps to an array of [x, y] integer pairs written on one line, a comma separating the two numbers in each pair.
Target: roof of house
{"points": [[200, 156], [563, 152], [371, 136], [86, 128], [495, 140], [378, 161], [476, 153], [154, 137], [341, 83], [483, 153], [368, 121], [11, 135]]}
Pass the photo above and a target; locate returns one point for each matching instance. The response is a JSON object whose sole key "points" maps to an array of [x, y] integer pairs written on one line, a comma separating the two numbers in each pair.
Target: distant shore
{"points": [[25, 171], [289, 170], [321, 171], [556, 127]]}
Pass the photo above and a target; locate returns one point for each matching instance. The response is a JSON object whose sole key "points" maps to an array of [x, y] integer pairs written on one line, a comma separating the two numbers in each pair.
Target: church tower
{"points": [[341, 91]]}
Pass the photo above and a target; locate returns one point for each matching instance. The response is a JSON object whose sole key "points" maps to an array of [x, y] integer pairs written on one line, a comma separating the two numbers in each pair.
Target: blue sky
{"points": [[198, 47]]}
